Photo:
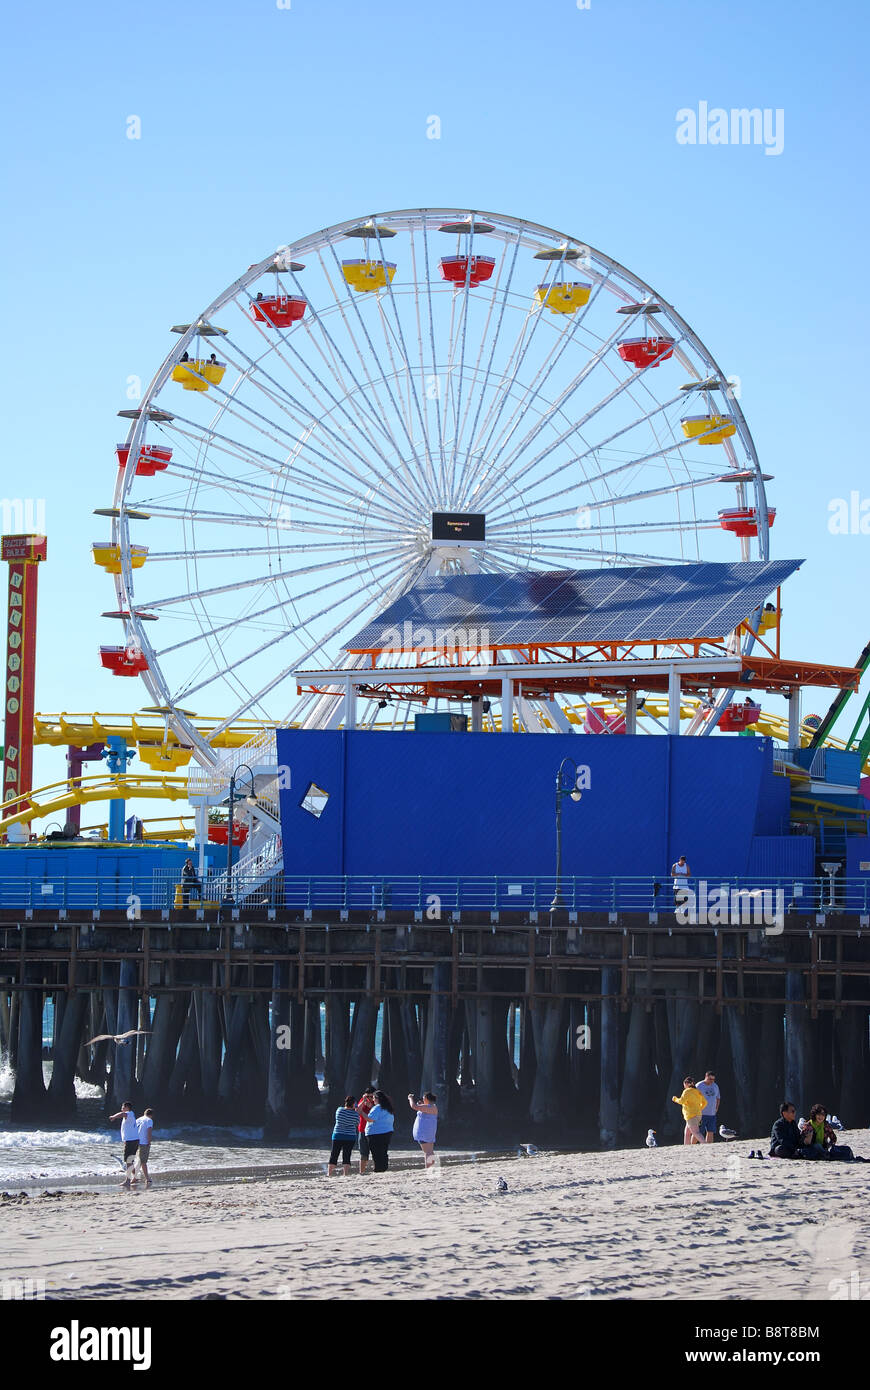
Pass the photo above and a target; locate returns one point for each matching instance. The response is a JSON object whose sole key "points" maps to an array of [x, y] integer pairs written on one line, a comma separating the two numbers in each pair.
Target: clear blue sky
{"points": [[260, 124]]}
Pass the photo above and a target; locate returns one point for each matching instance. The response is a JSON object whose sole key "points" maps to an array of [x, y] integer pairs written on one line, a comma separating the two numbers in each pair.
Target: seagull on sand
{"points": [[727, 1133], [651, 1141], [118, 1037], [835, 1122], [501, 1185]]}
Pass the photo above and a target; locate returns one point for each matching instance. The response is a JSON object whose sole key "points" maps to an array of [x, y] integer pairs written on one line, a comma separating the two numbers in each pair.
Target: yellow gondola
{"points": [[164, 757], [108, 556], [769, 619], [364, 276], [708, 429], [564, 297], [199, 373]]}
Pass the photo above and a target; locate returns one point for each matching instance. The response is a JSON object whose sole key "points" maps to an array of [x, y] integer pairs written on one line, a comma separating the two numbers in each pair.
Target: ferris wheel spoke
{"points": [[271, 643], [617, 500], [382, 414], [318, 485], [588, 368], [242, 410], [560, 342], [503, 307], [622, 556], [635, 379], [330, 355], [398, 414], [412, 386], [282, 675], [257, 615], [278, 467], [434, 375]]}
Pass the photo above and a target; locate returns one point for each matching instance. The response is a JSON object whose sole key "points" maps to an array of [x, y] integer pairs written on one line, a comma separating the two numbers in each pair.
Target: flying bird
{"points": [[801, 1122], [530, 1149], [118, 1037], [651, 1141], [727, 1133], [501, 1185]]}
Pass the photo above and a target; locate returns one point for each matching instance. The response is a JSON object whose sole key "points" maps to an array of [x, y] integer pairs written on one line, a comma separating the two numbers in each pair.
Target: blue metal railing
{"points": [[437, 896]]}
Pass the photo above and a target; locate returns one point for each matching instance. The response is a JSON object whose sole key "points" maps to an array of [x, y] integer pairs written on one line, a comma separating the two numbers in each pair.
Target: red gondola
{"points": [[743, 521], [279, 309], [219, 834], [737, 717], [153, 458], [123, 661], [597, 723], [455, 269], [645, 352]]}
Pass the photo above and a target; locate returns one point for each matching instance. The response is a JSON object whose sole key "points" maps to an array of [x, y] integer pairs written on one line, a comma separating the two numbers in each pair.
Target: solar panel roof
{"points": [[640, 603]]}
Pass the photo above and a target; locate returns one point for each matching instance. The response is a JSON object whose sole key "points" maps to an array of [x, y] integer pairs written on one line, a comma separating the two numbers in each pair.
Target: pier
{"points": [[576, 1021]]}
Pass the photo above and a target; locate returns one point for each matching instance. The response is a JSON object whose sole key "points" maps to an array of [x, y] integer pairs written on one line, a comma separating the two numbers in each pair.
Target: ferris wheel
{"points": [[279, 481]]}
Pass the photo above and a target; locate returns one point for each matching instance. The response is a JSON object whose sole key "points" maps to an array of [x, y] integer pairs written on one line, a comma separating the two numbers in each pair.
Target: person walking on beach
{"points": [[344, 1133], [130, 1137], [144, 1126], [379, 1130], [425, 1124], [692, 1103], [710, 1091], [364, 1105]]}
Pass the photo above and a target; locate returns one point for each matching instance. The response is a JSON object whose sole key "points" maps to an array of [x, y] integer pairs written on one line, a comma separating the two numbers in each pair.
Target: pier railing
{"points": [[437, 897]]}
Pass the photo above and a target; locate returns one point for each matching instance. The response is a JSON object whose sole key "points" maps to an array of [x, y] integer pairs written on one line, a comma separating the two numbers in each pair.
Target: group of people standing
{"points": [[136, 1138], [369, 1124]]}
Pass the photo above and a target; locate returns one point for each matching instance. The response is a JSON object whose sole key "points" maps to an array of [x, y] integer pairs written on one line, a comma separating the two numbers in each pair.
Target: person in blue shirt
{"points": [[379, 1130]]}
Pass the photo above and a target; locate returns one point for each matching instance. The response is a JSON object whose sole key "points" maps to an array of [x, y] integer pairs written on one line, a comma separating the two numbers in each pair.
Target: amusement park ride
{"points": [[475, 401]]}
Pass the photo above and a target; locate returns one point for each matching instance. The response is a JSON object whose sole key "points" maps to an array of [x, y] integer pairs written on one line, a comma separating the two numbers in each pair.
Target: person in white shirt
{"points": [[130, 1136], [144, 1127], [707, 1120]]}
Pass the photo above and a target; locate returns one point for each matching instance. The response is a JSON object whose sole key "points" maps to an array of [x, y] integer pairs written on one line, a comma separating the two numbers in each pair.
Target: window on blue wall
{"points": [[314, 801]]}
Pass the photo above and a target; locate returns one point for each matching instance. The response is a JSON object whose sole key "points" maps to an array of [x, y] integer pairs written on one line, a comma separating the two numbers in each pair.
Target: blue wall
{"points": [[475, 804]]}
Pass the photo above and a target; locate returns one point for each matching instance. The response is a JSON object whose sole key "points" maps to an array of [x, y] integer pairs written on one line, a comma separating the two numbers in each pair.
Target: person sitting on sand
{"points": [[786, 1139], [425, 1125], [819, 1136], [344, 1133], [693, 1104]]}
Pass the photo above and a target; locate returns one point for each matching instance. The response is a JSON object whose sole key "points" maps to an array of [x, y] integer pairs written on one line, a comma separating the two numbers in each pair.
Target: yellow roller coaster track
{"points": [[58, 796], [79, 730]]}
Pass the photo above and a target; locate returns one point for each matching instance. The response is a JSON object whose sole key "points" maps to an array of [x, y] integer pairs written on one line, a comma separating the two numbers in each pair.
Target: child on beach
{"points": [[693, 1105]]}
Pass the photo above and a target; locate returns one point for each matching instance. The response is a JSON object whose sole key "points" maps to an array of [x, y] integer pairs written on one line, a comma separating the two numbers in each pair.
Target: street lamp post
{"points": [[228, 900], [566, 767]]}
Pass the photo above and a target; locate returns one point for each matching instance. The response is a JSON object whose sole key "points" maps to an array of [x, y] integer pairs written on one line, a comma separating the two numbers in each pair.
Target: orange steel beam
{"points": [[759, 673]]}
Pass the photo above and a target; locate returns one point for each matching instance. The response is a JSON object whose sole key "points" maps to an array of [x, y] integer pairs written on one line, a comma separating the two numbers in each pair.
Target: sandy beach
{"points": [[671, 1223]]}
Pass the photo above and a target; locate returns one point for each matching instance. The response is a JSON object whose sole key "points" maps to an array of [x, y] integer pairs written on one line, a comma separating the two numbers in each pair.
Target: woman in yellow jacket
{"points": [[693, 1104]]}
